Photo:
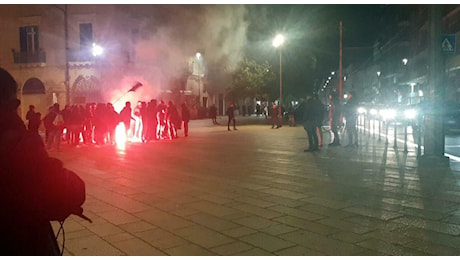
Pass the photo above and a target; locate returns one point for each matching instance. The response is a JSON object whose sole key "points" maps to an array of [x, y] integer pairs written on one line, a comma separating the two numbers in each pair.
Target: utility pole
{"points": [[434, 132], [67, 76], [340, 69], [66, 47]]}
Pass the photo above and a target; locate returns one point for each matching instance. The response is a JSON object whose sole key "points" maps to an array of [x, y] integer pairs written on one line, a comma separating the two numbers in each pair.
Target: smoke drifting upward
{"points": [[162, 39]]}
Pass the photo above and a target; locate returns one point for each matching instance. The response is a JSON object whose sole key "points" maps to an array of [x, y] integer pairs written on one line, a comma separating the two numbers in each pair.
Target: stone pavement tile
{"points": [[212, 208], [321, 243], [307, 225], [298, 251], [437, 226], [255, 222], [137, 226], [262, 212], [346, 226], [231, 249], [348, 237], [203, 236], [255, 252], [184, 211], [160, 238], [118, 237], [395, 237], [104, 229], [163, 219], [278, 229], [430, 236], [75, 234], [137, 247], [282, 201], [375, 213], [91, 246], [239, 232], [236, 215], [326, 211], [374, 222], [266, 242], [307, 215], [335, 204], [188, 250], [214, 199], [97, 205], [389, 249], [212, 222], [432, 249], [256, 202], [284, 193], [118, 217]]}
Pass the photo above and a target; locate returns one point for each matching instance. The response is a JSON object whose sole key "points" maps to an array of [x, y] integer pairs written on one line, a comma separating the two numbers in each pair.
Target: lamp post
{"points": [[277, 42]]}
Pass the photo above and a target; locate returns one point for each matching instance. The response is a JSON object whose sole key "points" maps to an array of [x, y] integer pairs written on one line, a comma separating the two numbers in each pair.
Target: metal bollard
{"points": [[380, 130], [405, 137], [395, 143]]}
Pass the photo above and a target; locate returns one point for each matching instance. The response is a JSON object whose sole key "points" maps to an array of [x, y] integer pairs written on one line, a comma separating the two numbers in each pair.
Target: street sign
{"points": [[448, 44]]}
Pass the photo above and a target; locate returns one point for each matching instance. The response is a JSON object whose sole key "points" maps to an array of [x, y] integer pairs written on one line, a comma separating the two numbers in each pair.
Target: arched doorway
{"points": [[86, 90], [33, 93]]}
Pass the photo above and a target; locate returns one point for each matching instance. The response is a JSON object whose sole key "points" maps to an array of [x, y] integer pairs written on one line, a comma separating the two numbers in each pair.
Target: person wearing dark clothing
{"points": [[112, 123], [152, 120], [213, 114], [30, 180], [172, 119], [126, 116], [30, 114], [351, 116], [311, 115], [231, 117], [185, 117], [334, 115], [55, 135], [35, 122]]}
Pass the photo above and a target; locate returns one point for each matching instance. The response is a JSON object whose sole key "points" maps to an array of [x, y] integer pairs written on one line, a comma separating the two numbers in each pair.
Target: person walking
{"points": [[231, 117], [310, 122], [351, 116], [334, 115], [213, 114], [185, 117]]}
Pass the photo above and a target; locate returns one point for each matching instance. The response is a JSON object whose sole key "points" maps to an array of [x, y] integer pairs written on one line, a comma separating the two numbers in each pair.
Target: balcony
{"points": [[27, 57]]}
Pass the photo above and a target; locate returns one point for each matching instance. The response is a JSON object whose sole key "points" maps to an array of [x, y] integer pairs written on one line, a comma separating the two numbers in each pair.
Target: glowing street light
{"points": [[278, 42], [405, 61], [97, 50]]}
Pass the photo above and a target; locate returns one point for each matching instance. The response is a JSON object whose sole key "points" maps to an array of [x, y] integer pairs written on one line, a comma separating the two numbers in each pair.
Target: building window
{"points": [[28, 38], [86, 36]]}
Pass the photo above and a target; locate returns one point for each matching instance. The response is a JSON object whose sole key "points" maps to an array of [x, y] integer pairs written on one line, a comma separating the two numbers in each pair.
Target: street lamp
{"points": [[277, 42]]}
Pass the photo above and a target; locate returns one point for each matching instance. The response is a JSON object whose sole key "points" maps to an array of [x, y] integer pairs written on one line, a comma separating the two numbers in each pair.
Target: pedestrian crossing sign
{"points": [[448, 44]]}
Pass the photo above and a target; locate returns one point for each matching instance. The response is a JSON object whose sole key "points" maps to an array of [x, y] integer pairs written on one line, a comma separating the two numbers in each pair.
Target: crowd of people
{"points": [[96, 123]]}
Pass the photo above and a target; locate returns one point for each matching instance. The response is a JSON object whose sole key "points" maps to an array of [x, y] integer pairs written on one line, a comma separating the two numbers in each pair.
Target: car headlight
{"points": [[373, 111], [362, 110], [410, 113], [388, 114]]}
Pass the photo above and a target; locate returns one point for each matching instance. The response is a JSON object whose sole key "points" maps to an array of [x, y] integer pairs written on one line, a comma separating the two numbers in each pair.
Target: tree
{"points": [[250, 79]]}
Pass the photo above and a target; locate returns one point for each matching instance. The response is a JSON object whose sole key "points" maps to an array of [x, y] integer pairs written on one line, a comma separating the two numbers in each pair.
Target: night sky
{"points": [[311, 50]]}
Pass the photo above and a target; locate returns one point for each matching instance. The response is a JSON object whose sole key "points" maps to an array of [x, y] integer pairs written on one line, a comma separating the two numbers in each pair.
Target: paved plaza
{"points": [[255, 191]]}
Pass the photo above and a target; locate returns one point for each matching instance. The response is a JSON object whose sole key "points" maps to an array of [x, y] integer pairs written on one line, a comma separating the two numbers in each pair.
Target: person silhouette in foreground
{"points": [[34, 188]]}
